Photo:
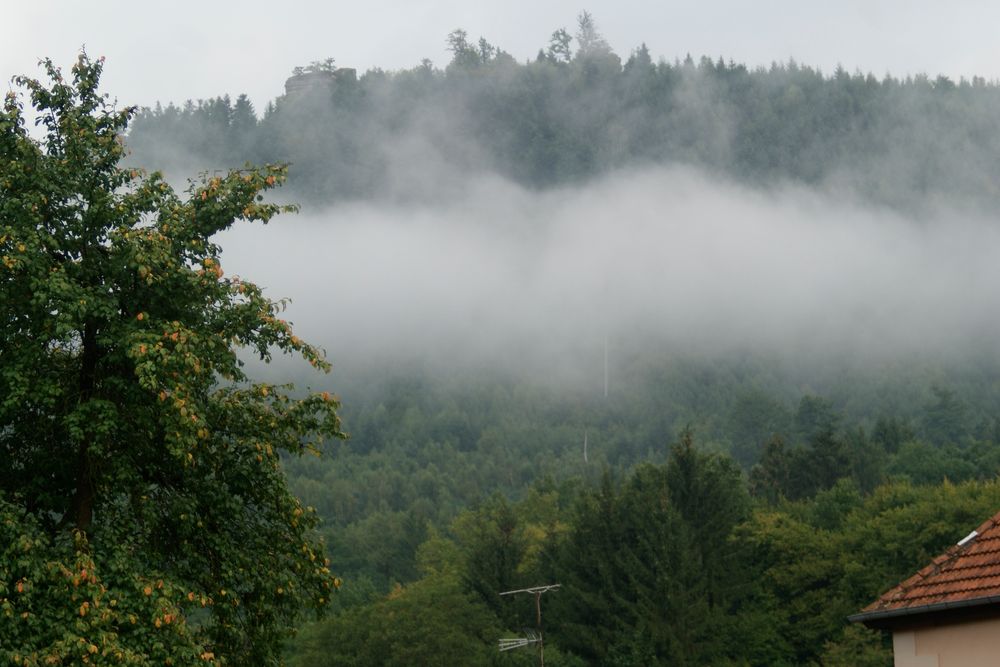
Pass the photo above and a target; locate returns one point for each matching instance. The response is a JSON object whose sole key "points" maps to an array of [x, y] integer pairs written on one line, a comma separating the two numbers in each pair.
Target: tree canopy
{"points": [[580, 111], [144, 516]]}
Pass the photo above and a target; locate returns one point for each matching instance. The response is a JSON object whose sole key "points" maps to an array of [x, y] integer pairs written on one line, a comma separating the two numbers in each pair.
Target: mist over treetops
{"points": [[579, 111]]}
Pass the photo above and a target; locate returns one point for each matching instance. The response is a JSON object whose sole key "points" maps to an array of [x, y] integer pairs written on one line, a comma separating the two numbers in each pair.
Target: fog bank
{"points": [[668, 257]]}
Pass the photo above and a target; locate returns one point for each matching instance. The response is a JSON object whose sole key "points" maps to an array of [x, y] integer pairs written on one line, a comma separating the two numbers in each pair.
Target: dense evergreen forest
{"points": [[451, 490], [580, 110], [725, 509]]}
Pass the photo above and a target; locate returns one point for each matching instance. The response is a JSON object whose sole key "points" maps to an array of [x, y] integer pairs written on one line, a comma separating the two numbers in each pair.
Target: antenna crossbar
{"points": [[516, 642], [507, 644], [535, 590]]}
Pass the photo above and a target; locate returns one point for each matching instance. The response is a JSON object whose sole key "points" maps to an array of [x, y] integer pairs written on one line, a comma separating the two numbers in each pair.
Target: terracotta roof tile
{"points": [[964, 573]]}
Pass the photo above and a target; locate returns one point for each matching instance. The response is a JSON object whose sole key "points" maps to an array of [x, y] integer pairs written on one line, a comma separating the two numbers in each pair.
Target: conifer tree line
{"points": [[579, 110], [669, 564]]}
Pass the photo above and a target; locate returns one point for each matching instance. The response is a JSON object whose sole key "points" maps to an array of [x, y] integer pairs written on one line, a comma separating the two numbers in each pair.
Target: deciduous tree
{"points": [[144, 515]]}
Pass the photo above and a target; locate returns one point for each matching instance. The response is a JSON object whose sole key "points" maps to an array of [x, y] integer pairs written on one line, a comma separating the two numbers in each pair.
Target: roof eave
{"points": [[889, 616]]}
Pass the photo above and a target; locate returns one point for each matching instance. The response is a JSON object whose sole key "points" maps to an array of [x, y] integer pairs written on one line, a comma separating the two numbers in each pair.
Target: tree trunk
{"points": [[82, 508]]}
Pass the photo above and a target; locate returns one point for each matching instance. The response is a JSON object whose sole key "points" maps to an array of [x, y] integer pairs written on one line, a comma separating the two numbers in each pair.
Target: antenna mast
{"points": [[605, 365], [535, 637]]}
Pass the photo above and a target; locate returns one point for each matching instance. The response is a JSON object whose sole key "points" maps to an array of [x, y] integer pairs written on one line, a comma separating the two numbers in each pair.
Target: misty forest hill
{"points": [[708, 507], [579, 110]]}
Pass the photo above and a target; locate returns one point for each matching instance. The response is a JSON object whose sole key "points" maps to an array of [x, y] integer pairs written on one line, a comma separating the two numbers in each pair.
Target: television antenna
{"points": [[531, 637], [519, 642]]}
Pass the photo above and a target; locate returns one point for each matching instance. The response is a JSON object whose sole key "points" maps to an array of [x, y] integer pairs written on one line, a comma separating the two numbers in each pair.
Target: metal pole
{"points": [[541, 638], [605, 365]]}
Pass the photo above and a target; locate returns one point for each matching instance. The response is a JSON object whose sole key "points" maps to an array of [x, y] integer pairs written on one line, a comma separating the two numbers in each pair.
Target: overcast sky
{"points": [[173, 51]]}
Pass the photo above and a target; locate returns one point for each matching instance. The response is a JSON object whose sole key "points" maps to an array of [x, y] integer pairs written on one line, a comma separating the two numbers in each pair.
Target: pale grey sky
{"points": [[173, 51]]}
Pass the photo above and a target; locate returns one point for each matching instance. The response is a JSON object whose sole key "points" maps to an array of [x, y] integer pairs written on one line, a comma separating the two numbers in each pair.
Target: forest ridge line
{"points": [[579, 111]]}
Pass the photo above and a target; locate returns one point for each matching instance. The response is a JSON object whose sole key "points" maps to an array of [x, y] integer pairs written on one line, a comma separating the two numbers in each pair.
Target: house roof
{"points": [[966, 575]]}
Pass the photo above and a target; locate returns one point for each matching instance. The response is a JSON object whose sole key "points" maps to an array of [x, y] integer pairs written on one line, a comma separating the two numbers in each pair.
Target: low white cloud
{"points": [[665, 256]]}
